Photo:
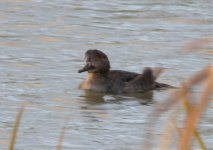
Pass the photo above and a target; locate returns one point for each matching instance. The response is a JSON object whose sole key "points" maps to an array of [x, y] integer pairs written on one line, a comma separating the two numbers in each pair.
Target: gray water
{"points": [[42, 43]]}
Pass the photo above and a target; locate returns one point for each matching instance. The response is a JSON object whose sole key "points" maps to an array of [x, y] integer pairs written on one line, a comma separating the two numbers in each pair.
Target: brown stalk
{"points": [[195, 112], [62, 134], [15, 128]]}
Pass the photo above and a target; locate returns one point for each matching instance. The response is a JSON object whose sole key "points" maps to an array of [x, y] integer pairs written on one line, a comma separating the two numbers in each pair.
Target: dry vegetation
{"points": [[194, 106], [193, 111]]}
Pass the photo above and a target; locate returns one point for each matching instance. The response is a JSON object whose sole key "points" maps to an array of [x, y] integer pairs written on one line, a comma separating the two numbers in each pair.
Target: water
{"points": [[42, 44]]}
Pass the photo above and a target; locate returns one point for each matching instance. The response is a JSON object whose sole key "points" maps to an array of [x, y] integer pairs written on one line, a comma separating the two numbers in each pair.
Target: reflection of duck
{"points": [[100, 98], [101, 79], [93, 97]]}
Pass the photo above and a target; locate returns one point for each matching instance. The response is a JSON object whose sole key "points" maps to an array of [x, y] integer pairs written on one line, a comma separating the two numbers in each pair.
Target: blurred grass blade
{"points": [[196, 132], [167, 137], [200, 141], [15, 128], [194, 113], [198, 45], [61, 137]]}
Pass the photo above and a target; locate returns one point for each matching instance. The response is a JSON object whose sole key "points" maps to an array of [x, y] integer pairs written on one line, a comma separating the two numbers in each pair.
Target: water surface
{"points": [[42, 43]]}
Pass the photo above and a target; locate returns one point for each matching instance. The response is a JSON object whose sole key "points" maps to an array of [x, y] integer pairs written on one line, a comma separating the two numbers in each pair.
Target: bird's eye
{"points": [[87, 60]]}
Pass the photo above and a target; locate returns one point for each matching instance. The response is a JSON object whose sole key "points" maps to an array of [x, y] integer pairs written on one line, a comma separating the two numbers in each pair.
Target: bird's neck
{"points": [[97, 76]]}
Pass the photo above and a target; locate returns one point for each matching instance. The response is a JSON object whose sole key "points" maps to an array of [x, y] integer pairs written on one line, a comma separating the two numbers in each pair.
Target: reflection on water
{"points": [[99, 98], [42, 43], [93, 97]]}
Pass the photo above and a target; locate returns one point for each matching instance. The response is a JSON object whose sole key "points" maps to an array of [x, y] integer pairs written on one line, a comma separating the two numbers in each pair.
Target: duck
{"points": [[100, 78]]}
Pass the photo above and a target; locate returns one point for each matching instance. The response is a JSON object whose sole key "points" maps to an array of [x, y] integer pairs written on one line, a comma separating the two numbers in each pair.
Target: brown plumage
{"points": [[101, 79]]}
